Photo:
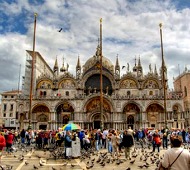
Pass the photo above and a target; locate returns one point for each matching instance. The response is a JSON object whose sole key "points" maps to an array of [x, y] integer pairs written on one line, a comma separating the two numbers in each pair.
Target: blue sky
{"points": [[130, 28]]}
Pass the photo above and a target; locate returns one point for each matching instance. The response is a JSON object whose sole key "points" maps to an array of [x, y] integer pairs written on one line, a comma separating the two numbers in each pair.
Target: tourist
{"points": [[23, 135], [176, 157], [127, 142], [109, 141], [9, 142], [68, 141], [97, 139], [156, 141], [115, 143], [2, 144]]}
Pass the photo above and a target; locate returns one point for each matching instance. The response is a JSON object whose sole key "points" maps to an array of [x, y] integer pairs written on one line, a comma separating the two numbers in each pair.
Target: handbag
{"points": [[160, 167]]}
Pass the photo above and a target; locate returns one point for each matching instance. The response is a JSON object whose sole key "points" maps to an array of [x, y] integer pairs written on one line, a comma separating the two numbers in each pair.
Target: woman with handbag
{"points": [[176, 158]]}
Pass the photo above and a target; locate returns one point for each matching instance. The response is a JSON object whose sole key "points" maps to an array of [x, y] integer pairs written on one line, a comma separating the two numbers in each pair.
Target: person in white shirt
{"points": [[176, 157]]}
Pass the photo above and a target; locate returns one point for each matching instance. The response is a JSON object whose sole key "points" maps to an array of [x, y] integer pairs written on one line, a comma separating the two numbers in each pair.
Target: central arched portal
{"points": [[94, 115]]}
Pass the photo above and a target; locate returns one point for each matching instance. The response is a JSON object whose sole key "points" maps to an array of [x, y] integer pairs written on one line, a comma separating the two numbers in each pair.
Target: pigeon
{"points": [[132, 161], [22, 158], [123, 67], [72, 165], [60, 29], [35, 167], [26, 163]]}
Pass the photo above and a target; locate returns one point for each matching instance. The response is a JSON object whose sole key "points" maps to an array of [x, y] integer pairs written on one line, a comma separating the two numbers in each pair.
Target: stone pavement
{"points": [[29, 160]]}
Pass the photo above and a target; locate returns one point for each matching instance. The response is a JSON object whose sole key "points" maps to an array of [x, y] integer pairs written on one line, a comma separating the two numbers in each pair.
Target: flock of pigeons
{"points": [[142, 157]]}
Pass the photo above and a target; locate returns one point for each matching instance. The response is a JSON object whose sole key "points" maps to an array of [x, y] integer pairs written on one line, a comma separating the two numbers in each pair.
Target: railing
{"points": [[113, 96]]}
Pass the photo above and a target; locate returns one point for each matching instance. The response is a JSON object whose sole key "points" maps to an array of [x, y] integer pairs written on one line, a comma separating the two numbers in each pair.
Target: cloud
{"points": [[130, 28]]}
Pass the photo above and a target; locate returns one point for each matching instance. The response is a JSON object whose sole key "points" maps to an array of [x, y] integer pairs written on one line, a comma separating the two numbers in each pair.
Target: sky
{"points": [[130, 29]]}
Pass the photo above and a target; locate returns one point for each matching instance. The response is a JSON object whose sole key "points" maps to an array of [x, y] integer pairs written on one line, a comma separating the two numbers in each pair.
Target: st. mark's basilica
{"points": [[133, 99]]}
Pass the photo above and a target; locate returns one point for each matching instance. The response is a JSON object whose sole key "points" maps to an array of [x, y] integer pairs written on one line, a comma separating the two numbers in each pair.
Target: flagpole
{"points": [[32, 72], [163, 76], [101, 80]]}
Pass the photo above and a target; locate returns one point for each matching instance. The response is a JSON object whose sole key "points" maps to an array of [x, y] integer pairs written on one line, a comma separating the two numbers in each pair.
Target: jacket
{"points": [[127, 140], [2, 142]]}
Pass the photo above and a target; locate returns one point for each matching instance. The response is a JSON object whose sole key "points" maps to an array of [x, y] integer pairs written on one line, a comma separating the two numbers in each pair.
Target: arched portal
{"points": [[131, 115], [155, 115], [64, 113], [94, 115], [41, 113]]}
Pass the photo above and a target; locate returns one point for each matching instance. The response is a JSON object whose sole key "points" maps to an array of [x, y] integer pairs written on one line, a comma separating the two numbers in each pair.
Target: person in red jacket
{"points": [[2, 144], [9, 142]]}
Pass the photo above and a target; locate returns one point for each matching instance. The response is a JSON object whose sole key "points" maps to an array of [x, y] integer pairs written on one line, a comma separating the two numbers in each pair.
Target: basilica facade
{"points": [[133, 99]]}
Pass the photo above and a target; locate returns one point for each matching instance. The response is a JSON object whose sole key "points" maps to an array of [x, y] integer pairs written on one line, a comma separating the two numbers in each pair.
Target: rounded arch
{"points": [[155, 107], [64, 102], [129, 83], [152, 103], [151, 83], [40, 108], [66, 83], [93, 104], [96, 117], [44, 84], [97, 72], [177, 107], [92, 84], [42, 118], [131, 106]]}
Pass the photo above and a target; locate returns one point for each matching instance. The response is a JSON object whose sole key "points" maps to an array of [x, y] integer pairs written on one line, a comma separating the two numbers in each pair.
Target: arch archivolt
{"points": [[93, 104], [44, 84], [65, 103], [66, 83], [88, 75], [128, 83], [41, 104], [177, 107], [151, 83], [95, 116], [131, 107]]}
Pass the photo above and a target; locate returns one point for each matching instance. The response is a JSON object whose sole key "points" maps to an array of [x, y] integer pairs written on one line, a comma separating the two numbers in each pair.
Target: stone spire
{"points": [[117, 68], [139, 68], [155, 70], [78, 68], [56, 68]]}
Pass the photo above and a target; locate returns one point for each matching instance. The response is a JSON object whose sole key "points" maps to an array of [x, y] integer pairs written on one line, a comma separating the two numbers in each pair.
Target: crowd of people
{"points": [[114, 141]]}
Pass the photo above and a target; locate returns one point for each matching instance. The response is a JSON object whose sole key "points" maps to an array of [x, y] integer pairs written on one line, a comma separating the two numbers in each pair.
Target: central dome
{"points": [[106, 63]]}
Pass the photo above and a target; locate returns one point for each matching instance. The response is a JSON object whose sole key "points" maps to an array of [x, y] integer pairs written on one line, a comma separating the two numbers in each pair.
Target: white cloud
{"points": [[130, 28]]}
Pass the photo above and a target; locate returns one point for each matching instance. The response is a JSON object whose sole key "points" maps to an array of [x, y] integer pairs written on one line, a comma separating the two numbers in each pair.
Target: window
{"points": [[128, 93], [16, 115], [10, 114], [5, 96], [4, 107], [12, 122], [44, 93], [150, 93], [67, 93], [11, 109], [4, 115], [12, 96]]}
